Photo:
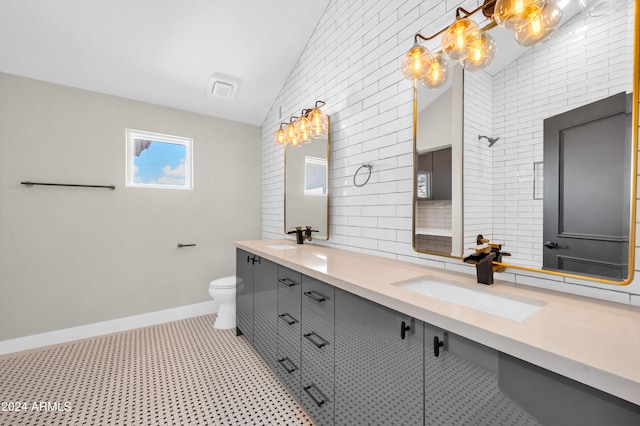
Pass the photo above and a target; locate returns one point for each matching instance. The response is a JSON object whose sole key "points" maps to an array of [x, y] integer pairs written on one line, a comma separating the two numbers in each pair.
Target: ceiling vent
{"points": [[221, 87]]}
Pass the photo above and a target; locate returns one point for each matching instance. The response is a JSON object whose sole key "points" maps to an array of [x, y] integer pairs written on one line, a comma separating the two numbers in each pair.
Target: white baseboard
{"points": [[106, 327]]}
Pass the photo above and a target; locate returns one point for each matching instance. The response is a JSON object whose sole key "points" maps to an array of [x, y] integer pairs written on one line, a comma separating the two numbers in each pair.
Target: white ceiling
{"points": [[161, 51]]}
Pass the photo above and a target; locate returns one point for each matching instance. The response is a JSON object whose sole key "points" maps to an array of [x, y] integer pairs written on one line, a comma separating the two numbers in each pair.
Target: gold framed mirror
{"points": [[508, 164], [306, 176]]}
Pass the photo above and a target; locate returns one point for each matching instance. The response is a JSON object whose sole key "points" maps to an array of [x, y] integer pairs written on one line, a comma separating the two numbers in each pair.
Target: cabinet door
{"points": [[244, 294], [265, 310], [461, 384], [378, 374]]}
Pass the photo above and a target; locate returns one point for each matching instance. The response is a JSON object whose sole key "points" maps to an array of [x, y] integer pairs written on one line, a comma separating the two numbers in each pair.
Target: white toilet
{"points": [[223, 290]]}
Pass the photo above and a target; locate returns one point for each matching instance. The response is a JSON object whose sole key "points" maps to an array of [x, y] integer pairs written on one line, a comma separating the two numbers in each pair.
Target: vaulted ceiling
{"points": [[161, 51]]}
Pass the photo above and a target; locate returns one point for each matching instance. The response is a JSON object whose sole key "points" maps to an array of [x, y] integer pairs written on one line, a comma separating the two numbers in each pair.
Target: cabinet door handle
{"points": [[319, 345], [437, 344], [315, 296], [283, 317], [287, 282], [253, 259], [319, 402], [285, 360], [403, 330]]}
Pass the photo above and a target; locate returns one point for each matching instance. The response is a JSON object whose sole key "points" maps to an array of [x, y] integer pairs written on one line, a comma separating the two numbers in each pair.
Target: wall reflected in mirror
{"points": [[506, 174], [438, 164], [307, 186]]}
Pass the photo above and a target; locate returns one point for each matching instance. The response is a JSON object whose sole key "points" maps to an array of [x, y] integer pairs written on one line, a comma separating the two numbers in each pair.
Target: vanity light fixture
{"points": [[532, 21], [312, 124]]}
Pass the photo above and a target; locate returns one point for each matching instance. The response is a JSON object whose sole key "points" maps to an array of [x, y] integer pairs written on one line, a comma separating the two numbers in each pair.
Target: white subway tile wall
{"points": [[352, 61]]}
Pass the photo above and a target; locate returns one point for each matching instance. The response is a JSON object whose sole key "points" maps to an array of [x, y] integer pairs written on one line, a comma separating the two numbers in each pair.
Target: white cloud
{"points": [[173, 176]]}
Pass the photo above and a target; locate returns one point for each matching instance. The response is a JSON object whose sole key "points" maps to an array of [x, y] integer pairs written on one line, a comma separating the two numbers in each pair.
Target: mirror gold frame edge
{"points": [[633, 174], [328, 182]]}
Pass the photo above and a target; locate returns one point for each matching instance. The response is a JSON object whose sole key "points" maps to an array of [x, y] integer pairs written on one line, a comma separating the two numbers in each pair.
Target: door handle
{"points": [[437, 344], [551, 244], [403, 330]]}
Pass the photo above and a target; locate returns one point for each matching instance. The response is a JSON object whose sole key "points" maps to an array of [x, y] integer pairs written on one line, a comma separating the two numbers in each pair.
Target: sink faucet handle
{"points": [[481, 240]]}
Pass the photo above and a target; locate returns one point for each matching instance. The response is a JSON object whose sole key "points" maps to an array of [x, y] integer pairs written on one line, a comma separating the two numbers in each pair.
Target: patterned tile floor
{"points": [[179, 373]]}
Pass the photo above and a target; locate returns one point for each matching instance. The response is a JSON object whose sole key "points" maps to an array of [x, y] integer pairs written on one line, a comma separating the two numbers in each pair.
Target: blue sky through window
{"points": [[162, 163]]}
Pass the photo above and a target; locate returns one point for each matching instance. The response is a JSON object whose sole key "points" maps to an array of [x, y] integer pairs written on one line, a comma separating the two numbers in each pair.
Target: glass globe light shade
{"points": [[601, 7], [436, 73], [413, 62], [479, 53], [510, 14], [541, 25], [292, 137], [457, 37], [280, 137], [303, 129], [318, 123]]}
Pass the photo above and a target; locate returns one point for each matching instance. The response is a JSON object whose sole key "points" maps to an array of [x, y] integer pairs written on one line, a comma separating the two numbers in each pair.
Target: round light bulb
{"points": [[413, 62], [511, 14], [480, 53], [280, 137], [457, 37], [601, 7], [303, 129], [318, 124], [436, 72], [540, 25], [292, 138]]}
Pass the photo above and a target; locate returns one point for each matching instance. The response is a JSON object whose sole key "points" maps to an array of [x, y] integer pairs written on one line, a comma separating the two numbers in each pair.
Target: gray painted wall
{"points": [[75, 256]]}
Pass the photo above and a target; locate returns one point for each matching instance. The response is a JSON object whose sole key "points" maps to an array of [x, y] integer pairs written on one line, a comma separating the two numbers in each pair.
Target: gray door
{"points": [[265, 310], [586, 188]]}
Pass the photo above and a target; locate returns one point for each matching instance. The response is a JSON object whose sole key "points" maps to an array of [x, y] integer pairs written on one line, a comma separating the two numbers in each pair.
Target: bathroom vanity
{"points": [[363, 339]]}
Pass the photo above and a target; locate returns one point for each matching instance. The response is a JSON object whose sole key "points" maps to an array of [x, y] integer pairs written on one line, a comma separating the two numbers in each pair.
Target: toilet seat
{"points": [[222, 283]]}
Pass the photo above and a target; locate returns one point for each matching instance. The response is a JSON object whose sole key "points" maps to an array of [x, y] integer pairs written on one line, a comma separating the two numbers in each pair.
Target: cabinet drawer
{"points": [[289, 316], [288, 368], [289, 282], [317, 343], [317, 394], [318, 296]]}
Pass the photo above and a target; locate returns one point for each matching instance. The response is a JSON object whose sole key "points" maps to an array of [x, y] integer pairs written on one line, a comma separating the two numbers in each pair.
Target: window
{"points": [[159, 161], [315, 176]]}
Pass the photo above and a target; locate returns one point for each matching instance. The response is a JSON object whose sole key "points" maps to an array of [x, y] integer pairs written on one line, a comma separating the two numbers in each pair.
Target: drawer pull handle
{"points": [[315, 296], [319, 345], [285, 360], [283, 317], [319, 402], [287, 282], [403, 330]]}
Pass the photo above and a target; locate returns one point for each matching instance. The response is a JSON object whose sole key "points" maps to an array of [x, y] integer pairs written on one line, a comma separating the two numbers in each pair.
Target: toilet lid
{"points": [[226, 282]]}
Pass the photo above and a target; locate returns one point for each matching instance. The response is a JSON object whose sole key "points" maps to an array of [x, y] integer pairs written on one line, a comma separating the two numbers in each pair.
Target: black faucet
{"points": [[299, 236], [483, 259], [303, 234], [484, 266]]}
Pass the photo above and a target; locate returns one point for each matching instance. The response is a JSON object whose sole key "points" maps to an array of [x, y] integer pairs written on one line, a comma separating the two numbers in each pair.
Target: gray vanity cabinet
{"points": [[244, 293], [378, 373]]}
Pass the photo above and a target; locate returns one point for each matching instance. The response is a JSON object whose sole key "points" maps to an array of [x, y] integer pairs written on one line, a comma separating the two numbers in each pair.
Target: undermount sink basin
{"points": [[499, 305], [281, 246]]}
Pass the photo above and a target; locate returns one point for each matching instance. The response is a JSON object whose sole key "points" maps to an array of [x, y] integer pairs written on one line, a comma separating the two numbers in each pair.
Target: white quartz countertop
{"points": [[594, 342]]}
